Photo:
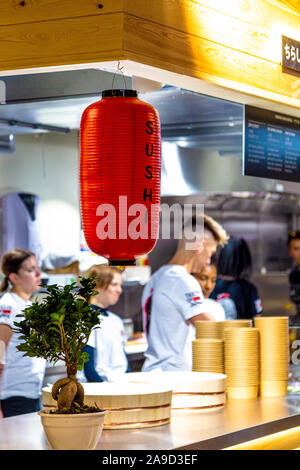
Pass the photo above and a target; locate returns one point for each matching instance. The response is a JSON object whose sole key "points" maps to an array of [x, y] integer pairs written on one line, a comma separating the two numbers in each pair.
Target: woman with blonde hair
{"points": [[107, 358], [21, 377]]}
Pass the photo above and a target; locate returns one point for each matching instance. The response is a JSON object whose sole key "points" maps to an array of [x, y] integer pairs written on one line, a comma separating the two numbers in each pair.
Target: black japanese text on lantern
{"points": [[148, 168]]}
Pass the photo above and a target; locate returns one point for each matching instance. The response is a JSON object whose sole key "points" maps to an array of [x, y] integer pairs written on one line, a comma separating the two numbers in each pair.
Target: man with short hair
{"points": [[172, 300], [294, 276]]}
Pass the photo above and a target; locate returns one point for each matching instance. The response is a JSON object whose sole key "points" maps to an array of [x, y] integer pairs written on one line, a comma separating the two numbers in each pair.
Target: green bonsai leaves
{"points": [[58, 327]]}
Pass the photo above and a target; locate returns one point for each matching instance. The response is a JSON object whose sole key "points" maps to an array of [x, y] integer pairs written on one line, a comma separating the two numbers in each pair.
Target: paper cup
{"points": [[273, 388], [242, 392]]}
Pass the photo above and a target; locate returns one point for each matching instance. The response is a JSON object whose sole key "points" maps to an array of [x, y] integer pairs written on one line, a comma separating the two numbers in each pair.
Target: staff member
{"points": [[172, 299], [22, 377], [294, 275], [207, 279], [107, 358], [238, 296]]}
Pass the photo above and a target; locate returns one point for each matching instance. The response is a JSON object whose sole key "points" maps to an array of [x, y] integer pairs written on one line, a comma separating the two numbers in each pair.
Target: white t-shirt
{"points": [[215, 309], [109, 342], [22, 375], [175, 297]]}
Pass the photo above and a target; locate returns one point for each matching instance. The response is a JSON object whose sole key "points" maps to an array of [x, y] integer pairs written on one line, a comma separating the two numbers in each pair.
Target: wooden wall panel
{"points": [[31, 11], [201, 21], [185, 15], [261, 13], [238, 24], [61, 42], [200, 57], [233, 41], [292, 5]]}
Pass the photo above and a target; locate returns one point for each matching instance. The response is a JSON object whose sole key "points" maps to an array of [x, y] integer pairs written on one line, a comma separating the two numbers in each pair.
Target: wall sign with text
{"points": [[290, 53], [271, 145]]}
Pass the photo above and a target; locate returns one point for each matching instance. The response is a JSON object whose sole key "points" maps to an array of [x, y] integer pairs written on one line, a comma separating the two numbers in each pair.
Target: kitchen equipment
{"points": [[128, 328], [20, 223]]}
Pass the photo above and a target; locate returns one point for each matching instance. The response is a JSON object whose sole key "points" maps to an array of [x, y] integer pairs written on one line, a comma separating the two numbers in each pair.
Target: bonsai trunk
{"points": [[68, 392]]}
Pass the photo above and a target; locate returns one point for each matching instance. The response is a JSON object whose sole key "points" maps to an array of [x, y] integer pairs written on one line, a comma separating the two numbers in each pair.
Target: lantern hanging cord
{"points": [[119, 69]]}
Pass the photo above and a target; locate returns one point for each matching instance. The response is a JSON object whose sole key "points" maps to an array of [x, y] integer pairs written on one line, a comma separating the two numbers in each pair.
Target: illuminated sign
{"points": [[290, 53], [271, 145]]}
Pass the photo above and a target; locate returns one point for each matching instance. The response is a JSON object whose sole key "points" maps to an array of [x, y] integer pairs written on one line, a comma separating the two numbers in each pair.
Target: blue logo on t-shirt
{"points": [[193, 298]]}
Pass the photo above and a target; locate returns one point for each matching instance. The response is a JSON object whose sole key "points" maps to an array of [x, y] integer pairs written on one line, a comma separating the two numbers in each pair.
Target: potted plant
{"points": [[58, 328]]}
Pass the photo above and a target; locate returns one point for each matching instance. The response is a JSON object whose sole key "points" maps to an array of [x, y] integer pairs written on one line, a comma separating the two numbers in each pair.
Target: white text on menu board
{"points": [[278, 152]]}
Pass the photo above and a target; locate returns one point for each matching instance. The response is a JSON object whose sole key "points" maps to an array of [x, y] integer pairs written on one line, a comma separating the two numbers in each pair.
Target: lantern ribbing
{"points": [[120, 157]]}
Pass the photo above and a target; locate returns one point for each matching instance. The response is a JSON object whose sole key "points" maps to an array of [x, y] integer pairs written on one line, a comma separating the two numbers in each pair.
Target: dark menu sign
{"points": [[271, 147], [290, 53]]}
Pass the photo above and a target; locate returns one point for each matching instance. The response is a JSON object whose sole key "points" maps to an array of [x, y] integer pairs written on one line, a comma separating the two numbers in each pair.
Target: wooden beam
{"points": [[60, 42], [290, 5], [251, 27], [200, 21], [201, 58], [234, 44], [31, 11]]}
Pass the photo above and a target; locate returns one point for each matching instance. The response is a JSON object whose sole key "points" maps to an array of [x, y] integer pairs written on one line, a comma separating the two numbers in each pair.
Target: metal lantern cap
{"points": [[114, 262], [119, 92]]}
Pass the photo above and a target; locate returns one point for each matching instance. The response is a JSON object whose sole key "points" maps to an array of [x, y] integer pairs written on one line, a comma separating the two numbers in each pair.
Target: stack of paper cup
{"points": [[242, 323], [274, 355], [208, 355], [242, 362], [208, 329]]}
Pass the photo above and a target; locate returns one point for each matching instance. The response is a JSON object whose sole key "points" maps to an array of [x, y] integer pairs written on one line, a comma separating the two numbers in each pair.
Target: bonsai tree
{"points": [[57, 328]]}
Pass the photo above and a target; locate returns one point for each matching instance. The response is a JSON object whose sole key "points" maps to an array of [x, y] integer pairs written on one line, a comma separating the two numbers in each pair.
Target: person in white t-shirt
{"points": [[207, 279], [107, 358], [21, 377], [173, 300]]}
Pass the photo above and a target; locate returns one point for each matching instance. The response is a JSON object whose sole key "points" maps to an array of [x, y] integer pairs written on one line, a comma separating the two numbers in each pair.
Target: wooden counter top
{"points": [[239, 421]]}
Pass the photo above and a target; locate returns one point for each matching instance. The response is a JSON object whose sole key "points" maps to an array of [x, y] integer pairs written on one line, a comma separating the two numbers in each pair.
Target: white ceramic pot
{"points": [[73, 431]]}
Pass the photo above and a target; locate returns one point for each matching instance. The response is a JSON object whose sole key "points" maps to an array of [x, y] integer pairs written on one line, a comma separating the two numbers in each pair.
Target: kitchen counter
{"points": [[237, 422]]}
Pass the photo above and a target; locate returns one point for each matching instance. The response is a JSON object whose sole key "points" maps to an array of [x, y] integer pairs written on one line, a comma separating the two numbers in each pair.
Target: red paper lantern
{"points": [[120, 164]]}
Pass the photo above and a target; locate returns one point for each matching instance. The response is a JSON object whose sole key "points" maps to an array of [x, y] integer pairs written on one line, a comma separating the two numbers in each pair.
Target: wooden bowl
{"points": [[129, 406], [192, 391]]}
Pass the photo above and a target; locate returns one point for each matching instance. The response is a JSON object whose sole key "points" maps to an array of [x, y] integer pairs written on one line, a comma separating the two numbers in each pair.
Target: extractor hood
{"points": [[191, 123], [52, 102], [55, 101]]}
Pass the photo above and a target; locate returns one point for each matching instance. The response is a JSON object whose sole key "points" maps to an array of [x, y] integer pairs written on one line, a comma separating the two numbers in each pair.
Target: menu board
{"points": [[271, 145]]}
